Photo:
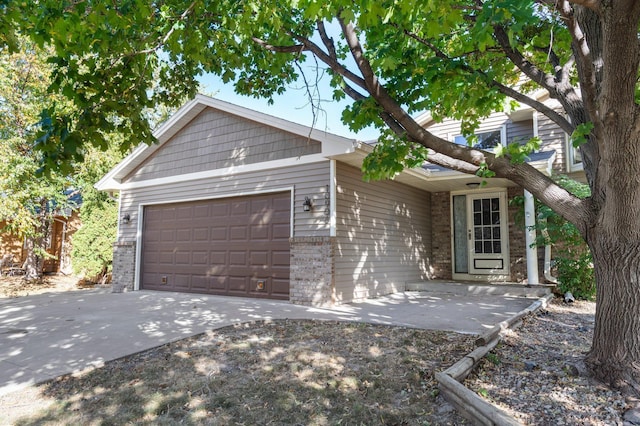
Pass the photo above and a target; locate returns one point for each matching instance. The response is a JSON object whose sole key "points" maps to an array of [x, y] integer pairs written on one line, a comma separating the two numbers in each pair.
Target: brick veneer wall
{"points": [[124, 266], [311, 271], [441, 235], [517, 244]]}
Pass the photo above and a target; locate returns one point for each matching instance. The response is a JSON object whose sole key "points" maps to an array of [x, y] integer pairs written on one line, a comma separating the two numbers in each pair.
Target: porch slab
{"points": [[481, 289]]}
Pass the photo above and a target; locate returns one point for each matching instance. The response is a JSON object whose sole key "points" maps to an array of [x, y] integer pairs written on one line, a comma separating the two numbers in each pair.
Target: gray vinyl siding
{"points": [[448, 129], [553, 138], [382, 236], [308, 180], [551, 135], [519, 131], [215, 140]]}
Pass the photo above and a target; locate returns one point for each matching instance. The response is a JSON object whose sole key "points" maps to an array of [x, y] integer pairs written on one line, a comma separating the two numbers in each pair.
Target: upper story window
{"points": [[485, 140]]}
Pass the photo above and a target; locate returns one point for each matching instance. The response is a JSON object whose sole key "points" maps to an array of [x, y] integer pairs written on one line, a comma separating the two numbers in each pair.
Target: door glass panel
{"points": [[461, 254], [486, 226]]}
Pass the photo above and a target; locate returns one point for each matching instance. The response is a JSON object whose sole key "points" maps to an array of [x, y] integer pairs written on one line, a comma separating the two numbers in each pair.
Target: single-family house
{"points": [[57, 241], [236, 202]]}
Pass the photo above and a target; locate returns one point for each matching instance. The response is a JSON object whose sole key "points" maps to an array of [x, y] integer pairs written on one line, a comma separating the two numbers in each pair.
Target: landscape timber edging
{"points": [[466, 402]]}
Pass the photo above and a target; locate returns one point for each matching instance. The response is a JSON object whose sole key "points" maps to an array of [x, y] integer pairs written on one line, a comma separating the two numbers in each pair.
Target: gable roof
{"points": [[331, 144]]}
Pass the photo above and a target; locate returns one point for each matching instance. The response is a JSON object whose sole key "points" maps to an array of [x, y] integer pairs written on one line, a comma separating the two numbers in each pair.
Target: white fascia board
{"points": [[111, 181], [227, 171]]}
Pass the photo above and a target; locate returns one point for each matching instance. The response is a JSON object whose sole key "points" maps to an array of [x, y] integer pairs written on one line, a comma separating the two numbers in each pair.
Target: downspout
{"points": [[530, 239]]}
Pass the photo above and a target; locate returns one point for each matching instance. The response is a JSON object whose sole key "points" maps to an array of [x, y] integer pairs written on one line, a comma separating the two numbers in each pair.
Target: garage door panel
{"points": [[219, 233], [280, 232], [259, 232], [201, 234], [183, 258], [218, 257], [218, 283], [183, 235], [168, 214], [222, 246], [259, 258], [281, 258], [238, 233], [201, 211], [184, 212], [280, 288], [219, 210], [181, 282], [200, 283], [238, 258], [239, 207], [166, 257], [168, 235], [238, 284]]}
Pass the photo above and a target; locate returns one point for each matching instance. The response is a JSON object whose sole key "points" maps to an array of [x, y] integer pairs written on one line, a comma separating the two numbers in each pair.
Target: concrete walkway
{"points": [[48, 335]]}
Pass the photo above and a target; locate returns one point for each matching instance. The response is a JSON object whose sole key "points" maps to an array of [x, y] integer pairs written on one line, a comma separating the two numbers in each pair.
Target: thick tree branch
{"points": [[594, 5], [296, 48], [506, 90], [585, 64], [567, 205], [564, 94], [332, 62]]}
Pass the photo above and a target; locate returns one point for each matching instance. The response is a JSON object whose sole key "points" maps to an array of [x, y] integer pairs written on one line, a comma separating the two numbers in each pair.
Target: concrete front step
{"points": [[463, 288]]}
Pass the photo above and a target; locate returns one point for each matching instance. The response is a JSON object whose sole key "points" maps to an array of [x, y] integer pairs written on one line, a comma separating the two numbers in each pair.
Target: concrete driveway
{"points": [[48, 335]]}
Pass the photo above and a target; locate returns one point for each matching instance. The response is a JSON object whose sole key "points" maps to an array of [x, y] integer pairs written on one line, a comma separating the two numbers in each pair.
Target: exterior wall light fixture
{"points": [[307, 205], [126, 218]]}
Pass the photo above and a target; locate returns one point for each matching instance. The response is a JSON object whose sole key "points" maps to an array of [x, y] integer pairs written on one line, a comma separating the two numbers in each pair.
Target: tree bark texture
{"points": [[614, 357]]}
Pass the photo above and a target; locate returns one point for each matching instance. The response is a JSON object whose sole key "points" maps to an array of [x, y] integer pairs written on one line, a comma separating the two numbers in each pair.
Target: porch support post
{"points": [[530, 238]]}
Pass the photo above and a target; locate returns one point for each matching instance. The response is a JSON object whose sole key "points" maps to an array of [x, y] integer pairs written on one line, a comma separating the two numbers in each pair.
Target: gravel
{"points": [[537, 375]]}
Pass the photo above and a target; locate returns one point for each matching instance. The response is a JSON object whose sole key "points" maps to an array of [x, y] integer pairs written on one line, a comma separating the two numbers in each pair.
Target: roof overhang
{"points": [[438, 179], [112, 181]]}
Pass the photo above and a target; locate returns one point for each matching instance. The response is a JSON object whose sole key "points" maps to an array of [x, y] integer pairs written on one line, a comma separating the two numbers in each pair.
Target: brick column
{"points": [[124, 266], [441, 235], [311, 272]]}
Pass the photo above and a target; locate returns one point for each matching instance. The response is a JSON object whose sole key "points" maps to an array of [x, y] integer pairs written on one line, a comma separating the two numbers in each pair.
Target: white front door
{"points": [[480, 235]]}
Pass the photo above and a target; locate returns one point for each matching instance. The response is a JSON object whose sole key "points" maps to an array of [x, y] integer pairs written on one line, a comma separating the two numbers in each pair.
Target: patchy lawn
{"points": [[280, 372]]}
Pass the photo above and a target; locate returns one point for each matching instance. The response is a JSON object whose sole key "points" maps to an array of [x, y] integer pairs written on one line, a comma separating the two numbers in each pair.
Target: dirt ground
{"points": [[17, 286], [285, 372]]}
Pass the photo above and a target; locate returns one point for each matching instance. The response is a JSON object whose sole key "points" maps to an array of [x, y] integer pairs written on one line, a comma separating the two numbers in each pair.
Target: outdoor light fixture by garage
{"points": [[126, 218], [473, 185], [306, 205]]}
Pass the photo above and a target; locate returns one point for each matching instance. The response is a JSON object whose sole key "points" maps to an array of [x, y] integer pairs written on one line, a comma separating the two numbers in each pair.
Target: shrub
{"points": [[92, 251], [572, 258]]}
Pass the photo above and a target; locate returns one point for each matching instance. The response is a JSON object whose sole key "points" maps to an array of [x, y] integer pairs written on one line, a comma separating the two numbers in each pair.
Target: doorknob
{"points": [[469, 234]]}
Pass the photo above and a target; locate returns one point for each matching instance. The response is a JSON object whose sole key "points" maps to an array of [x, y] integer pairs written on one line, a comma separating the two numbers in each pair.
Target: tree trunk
{"points": [[614, 357], [32, 265]]}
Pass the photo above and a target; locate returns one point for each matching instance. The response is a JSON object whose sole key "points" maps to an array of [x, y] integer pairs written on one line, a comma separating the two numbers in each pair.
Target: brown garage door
{"points": [[234, 246]]}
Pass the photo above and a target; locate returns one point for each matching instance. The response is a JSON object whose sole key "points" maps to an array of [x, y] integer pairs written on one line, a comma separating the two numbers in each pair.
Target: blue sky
{"points": [[293, 105]]}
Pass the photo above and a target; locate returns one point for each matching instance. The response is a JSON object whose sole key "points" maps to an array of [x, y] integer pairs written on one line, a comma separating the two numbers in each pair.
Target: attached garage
{"points": [[235, 202], [235, 246]]}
